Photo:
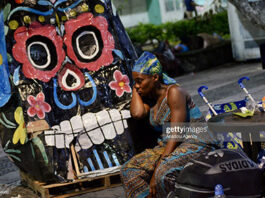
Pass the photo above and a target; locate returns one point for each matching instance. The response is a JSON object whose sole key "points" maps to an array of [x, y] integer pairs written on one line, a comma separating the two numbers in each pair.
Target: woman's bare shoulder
{"points": [[176, 94], [176, 89]]}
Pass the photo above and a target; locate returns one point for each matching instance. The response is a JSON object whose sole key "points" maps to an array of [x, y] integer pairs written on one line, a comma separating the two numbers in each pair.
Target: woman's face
{"points": [[143, 83]]}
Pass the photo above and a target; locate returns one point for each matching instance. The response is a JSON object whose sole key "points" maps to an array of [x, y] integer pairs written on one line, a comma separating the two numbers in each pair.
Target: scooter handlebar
{"points": [[200, 90], [240, 81]]}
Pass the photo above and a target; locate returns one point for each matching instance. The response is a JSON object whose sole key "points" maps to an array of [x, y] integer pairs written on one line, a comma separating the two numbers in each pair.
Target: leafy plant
{"points": [[172, 31]]}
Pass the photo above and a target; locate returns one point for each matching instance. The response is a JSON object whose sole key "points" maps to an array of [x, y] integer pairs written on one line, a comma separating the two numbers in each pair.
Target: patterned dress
{"points": [[137, 172]]}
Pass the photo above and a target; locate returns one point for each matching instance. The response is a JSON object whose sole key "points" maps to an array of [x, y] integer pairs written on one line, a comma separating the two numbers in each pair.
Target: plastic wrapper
{"points": [[65, 88]]}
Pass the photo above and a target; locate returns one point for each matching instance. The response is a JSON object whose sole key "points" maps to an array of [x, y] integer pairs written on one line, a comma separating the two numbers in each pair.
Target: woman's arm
{"points": [[138, 108], [177, 104]]}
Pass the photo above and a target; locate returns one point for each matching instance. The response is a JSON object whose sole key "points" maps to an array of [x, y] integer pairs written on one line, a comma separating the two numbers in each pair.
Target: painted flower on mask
{"points": [[121, 83], [40, 49], [21, 132], [89, 43], [38, 106]]}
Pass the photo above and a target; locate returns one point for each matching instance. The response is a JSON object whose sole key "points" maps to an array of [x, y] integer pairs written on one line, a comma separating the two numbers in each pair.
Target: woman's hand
{"points": [[152, 185], [138, 108], [152, 191]]}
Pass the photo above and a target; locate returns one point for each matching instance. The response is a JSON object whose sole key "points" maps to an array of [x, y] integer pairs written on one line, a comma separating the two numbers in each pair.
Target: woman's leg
{"points": [[170, 167], [137, 172]]}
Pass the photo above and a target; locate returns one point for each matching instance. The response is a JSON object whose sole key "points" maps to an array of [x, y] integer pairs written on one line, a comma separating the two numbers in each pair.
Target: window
{"points": [[178, 4], [169, 5], [173, 5], [127, 7]]}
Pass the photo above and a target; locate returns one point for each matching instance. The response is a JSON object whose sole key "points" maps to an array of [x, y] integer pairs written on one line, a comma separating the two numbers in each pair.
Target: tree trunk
{"points": [[254, 11]]}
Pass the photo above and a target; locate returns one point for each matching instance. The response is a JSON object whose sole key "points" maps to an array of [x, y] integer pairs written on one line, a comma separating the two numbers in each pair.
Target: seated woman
{"points": [[153, 172]]}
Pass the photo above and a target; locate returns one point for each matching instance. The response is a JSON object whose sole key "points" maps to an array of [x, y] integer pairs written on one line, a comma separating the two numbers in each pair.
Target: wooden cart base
{"points": [[76, 187]]}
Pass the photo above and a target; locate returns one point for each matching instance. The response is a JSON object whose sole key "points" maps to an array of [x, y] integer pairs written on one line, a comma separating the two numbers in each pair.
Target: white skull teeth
{"points": [[92, 128]]}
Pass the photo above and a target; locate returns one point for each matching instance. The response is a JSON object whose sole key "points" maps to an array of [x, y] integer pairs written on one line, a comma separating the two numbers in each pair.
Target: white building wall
{"points": [[245, 36], [175, 14], [132, 12], [134, 19]]}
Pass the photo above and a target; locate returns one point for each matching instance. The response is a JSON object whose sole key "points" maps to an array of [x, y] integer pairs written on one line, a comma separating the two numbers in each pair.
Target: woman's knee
{"points": [[124, 169], [159, 174]]}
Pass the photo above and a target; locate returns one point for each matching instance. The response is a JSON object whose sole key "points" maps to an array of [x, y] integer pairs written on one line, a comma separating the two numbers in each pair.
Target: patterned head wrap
{"points": [[149, 64]]}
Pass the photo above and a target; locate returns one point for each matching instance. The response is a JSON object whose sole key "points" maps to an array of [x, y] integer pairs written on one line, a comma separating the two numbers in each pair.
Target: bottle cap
{"points": [[218, 190]]}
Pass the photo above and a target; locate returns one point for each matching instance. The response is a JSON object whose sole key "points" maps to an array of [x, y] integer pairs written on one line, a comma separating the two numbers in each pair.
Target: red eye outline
{"points": [[99, 22], [19, 50]]}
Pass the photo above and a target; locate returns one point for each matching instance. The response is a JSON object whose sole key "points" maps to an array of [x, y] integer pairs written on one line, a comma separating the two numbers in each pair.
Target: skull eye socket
{"points": [[39, 51], [87, 43]]}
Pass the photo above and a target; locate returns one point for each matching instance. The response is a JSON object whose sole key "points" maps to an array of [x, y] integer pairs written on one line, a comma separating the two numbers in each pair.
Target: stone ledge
{"points": [[201, 59]]}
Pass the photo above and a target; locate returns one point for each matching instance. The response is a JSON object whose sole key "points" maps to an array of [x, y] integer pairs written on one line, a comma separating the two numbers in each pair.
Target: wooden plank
{"points": [[37, 126], [78, 187], [85, 191], [74, 155], [107, 182], [80, 181], [35, 185]]}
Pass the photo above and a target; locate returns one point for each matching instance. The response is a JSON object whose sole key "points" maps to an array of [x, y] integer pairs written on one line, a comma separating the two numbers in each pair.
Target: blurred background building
{"points": [[133, 12], [246, 38]]}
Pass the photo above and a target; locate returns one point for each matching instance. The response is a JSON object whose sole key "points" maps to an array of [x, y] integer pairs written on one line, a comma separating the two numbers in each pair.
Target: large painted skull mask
{"points": [[64, 87]]}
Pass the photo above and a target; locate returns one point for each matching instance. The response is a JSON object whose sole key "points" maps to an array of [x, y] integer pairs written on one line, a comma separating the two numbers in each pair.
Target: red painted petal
{"points": [[20, 32], [40, 113], [19, 50], [99, 22], [40, 97], [117, 75], [114, 85], [31, 111], [45, 107], [119, 92], [31, 100], [127, 88], [125, 79]]}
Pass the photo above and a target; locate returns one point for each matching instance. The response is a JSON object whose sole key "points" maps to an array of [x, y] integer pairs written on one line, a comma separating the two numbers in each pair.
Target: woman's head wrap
{"points": [[149, 64]]}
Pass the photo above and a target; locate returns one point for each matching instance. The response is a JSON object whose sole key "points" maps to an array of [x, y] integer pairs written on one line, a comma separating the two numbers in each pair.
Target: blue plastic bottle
{"points": [[219, 191]]}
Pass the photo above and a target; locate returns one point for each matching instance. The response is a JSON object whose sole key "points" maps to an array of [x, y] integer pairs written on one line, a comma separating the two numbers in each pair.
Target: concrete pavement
{"points": [[223, 87], [222, 83]]}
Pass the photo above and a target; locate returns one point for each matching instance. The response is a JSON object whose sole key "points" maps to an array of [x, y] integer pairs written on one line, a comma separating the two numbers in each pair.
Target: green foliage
{"points": [[171, 31]]}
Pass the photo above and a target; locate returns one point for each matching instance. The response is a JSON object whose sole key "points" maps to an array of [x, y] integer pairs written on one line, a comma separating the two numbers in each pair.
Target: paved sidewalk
{"points": [[223, 87]]}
